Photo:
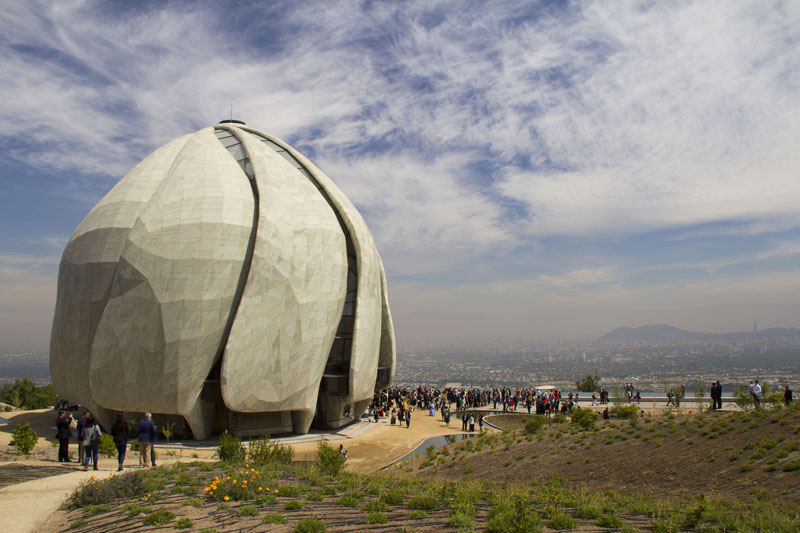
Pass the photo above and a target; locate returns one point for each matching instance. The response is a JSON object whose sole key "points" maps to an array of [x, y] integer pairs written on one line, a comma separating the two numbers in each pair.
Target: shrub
{"points": [[559, 520], [558, 418], [158, 518], [191, 502], [417, 513], [107, 446], [230, 448], [134, 509], [266, 499], [375, 506], [791, 466], [610, 521], [328, 459], [459, 520], [92, 510], [293, 505], [535, 424], [24, 438], [95, 491], [512, 515], [584, 417], [274, 518], [393, 497], [263, 451], [423, 501], [347, 501], [377, 518], [184, 523], [247, 510], [626, 411], [310, 525]]}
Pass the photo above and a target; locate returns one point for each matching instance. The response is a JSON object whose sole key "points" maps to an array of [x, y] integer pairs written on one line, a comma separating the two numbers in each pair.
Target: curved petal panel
{"points": [[87, 269], [292, 302], [367, 329], [172, 295]]}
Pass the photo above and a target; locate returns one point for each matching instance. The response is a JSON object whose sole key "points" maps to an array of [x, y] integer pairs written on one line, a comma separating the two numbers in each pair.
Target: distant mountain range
{"points": [[664, 333]]}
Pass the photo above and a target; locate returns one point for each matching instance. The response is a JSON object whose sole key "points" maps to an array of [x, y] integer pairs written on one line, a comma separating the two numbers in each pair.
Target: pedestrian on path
{"points": [[120, 433], [91, 443], [63, 433], [147, 435]]}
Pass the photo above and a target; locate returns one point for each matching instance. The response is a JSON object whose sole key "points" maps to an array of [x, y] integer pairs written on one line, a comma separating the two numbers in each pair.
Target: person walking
{"points": [[471, 423], [147, 435], [787, 395], [91, 443], [63, 433], [80, 427], [408, 418], [120, 433]]}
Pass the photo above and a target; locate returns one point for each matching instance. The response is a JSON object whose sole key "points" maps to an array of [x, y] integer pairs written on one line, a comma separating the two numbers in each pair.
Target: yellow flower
{"points": [[276, 491], [259, 488], [234, 482], [226, 498]]}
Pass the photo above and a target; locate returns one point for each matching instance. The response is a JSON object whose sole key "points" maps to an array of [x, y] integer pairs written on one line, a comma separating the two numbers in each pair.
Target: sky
{"points": [[529, 170]]}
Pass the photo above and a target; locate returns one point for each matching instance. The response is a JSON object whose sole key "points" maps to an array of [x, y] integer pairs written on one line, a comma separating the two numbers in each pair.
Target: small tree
{"points": [[24, 438], [230, 448], [107, 446], [589, 383], [167, 431], [700, 394], [328, 459]]}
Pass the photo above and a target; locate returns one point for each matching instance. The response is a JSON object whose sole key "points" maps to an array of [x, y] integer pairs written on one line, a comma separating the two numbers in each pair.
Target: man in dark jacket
{"points": [[147, 435], [63, 433]]}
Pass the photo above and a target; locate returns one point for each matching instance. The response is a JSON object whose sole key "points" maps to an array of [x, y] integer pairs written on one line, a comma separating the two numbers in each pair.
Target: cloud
{"points": [[487, 146]]}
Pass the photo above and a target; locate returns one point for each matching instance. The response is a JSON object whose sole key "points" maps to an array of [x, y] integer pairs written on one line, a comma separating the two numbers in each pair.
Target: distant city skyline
{"points": [[542, 170]]}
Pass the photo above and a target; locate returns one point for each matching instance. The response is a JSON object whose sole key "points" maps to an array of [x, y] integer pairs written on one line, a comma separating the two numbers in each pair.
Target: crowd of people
{"points": [[397, 403], [88, 433]]}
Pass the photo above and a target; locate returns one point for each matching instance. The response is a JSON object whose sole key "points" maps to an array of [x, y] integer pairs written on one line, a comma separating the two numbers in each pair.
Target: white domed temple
{"points": [[228, 281]]}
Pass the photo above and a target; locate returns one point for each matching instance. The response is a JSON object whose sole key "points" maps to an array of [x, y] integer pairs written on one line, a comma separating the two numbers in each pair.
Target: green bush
{"points": [[347, 501], [423, 501], [263, 451], [610, 521], [393, 497], [626, 411], [24, 438], [107, 446], [25, 395], [230, 449], [184, 523], [377, 518], [535, 424], [92, 510], [96, 491], [375, 506], [274, 518], [328, 459], [310, 525], [158, 518], [584, 417], [512, 515], [558, 418], [459, 521], [559, 520], [293, 505], [247, 510]]}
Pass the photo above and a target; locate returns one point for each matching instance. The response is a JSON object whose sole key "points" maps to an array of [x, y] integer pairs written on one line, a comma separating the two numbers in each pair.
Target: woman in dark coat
{"points": [[120, 433]]}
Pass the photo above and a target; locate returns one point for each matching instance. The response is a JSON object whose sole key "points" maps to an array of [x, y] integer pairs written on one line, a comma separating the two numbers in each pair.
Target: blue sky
{"points": [[528, 169]]}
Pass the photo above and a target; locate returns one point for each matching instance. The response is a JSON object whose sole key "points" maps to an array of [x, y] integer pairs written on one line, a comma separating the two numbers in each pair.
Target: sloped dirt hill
{"points": [[722, 453]]}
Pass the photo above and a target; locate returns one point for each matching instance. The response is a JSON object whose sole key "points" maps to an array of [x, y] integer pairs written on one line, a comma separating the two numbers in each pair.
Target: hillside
{"points": [[717, 452], [666, 334]]}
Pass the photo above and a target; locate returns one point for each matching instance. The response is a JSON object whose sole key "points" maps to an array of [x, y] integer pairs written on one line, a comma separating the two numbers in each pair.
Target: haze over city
{"points": [[540, 170]]}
